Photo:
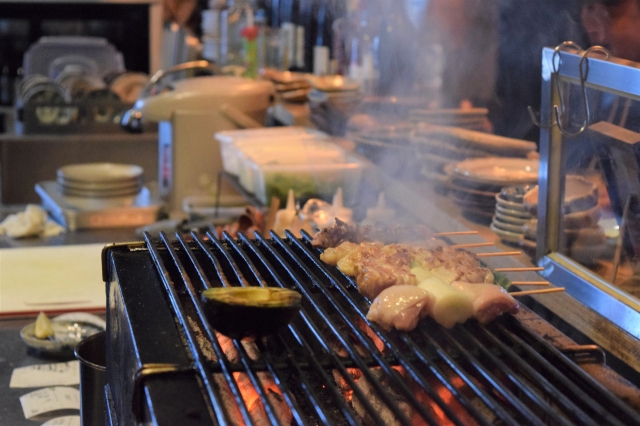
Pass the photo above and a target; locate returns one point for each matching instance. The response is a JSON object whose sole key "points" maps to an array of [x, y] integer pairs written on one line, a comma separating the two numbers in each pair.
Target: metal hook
{"points": [[584, 73], [555, 65]]}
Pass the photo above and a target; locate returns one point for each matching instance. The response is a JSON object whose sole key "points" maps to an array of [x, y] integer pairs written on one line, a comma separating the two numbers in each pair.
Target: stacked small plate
{"points": [[439, 145], [470, 118], [474, 183], [511, 215], [100, 185]]}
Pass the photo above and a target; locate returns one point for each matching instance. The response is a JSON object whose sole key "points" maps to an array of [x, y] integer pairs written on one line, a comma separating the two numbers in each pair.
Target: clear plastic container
{"points": [[307, 181], [232, 148], [298, 154]]}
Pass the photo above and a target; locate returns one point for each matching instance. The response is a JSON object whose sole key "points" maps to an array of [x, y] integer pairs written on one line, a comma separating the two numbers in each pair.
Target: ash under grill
{"points": [[330, 366]]}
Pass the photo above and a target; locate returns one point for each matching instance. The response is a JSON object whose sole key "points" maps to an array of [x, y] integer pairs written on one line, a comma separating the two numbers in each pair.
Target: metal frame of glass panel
{"points": [[614, 76]]}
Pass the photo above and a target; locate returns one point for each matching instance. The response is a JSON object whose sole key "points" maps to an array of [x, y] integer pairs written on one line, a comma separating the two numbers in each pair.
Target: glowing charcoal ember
{"points": [[401, 307], [489, 300]]}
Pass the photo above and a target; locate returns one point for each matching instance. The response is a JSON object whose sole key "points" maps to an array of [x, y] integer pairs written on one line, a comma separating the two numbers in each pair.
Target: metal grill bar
{"points": [[513, 372], [527, 414], [525, 369], [388, 343], [382, 362], [300, 338], [244, 357], [428, 360], [350, 349], [220, 417], [222, 359], [315, 330], [493, 405], [260, 281], [583, 418], [576, 385]]}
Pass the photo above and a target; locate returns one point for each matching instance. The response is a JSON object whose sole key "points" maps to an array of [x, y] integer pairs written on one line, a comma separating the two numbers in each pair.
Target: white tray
{"points": [[144, 210]]}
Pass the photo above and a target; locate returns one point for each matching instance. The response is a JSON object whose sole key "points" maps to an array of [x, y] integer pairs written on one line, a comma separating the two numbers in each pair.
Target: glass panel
{"points": [[601, 208]]}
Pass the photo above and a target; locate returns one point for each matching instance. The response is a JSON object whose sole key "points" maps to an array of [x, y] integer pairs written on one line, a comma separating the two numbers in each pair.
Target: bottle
{"points": [[364, 41], [233, 21], [250, 45], [285, 217]]}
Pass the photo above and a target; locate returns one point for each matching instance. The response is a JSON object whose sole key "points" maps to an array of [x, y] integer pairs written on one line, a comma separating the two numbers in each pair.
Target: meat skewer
{"points": [[543, 291], [500, 253], [489, 300]]}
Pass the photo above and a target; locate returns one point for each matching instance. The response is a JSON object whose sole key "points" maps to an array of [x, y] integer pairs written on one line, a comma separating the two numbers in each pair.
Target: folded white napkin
{"points": [[32, 222]]}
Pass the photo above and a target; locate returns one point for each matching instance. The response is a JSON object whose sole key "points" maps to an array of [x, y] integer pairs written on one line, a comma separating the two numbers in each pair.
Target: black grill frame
{"points": [[538, 385]]}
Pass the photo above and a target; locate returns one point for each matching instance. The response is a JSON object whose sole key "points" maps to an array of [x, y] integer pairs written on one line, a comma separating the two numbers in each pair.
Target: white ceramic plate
{"points": [[506, 235], [100, 172], [510, 204], [332, 83], [512, 212], [497, 170], [512, 220], [68, 329], [507, 226]]}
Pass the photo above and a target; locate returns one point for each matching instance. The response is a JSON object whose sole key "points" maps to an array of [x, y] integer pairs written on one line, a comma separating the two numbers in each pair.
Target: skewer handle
{"points": [[532, 269], [530, 282], [528, 292], [470, 245], [499, 253], [446, 234]]}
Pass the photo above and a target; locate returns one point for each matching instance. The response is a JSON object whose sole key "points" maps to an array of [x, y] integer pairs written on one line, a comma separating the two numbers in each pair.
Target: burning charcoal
{"points": [[383, 411]]}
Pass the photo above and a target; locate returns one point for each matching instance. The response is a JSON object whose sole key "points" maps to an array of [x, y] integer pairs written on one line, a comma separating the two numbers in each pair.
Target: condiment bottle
{"points": [[285, 217], [338, 209], [379, 213]]}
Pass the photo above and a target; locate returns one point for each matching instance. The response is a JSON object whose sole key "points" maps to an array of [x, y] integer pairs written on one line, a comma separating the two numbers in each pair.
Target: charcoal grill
{"points": [[167, 366]]}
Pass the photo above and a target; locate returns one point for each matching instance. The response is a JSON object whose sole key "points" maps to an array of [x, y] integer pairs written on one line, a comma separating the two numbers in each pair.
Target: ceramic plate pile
{"points": [[389, 147], [440, 145], [584, 237], [471, 118], [90, 185], [511, 215], [474, 183]]}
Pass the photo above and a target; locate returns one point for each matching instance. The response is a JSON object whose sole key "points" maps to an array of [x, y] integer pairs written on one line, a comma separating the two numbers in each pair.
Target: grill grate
{"points": [[497, 374]]}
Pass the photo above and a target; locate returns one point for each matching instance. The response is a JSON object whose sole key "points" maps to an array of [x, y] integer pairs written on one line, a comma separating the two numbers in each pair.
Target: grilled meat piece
{"points": [[341, 232], [332, 255], [377, 276], [489, 300], [400, 307]]}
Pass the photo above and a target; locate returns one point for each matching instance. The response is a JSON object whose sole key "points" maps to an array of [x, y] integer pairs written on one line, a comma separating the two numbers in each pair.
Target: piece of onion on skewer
{"points": [[489, 300], [400, 307], [450, 306]]}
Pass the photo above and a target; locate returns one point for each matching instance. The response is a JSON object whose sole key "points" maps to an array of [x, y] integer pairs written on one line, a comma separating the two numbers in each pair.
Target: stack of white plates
{"points": [[100, 184], [511, 214], [474, 183], [470, 118], [441, 145]]}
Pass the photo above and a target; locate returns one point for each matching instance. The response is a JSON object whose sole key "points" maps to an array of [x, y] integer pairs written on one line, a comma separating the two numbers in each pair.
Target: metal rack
{"points": [[597, 72], [502, 372]]}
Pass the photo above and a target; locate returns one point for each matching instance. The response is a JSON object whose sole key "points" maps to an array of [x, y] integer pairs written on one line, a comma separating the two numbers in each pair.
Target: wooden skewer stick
{"points": [[446, 234], [499, 253], [534, 269], [543, 291], [530, 282], [470, 245]]}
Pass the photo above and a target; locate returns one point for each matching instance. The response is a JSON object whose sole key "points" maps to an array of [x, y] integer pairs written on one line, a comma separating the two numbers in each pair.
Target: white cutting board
{"points": [[51, 279]]}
